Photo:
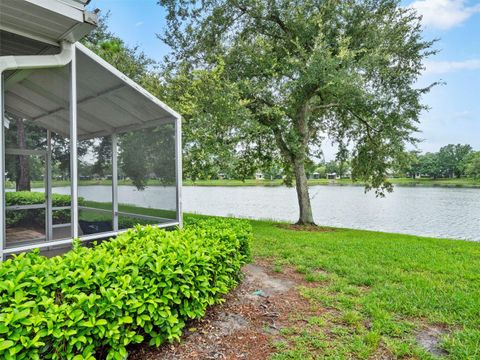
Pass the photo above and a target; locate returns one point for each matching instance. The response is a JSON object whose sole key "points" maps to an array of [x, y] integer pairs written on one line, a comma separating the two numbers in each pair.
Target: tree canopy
{"points": [[472, 167], [301, 73], [144, 153], [451, 160]]}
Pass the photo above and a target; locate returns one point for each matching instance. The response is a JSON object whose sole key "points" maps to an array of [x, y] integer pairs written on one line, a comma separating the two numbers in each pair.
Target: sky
{"points": [[454, 115]]}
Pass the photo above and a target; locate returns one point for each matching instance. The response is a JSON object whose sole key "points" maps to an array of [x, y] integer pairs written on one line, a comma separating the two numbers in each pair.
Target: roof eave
{"points": [[80, 22]]}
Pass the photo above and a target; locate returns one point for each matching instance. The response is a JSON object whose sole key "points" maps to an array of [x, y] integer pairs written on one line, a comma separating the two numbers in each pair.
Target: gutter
{"points": [[13, 62]]}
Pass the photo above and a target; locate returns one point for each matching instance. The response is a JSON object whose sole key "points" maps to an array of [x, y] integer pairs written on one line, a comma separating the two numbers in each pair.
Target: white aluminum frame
{"points": [[115, 181], [179, 172], [48, 193], [16, 63], [49, 244], [86, 51], [68, 57], [3, 235], [73, 146]]}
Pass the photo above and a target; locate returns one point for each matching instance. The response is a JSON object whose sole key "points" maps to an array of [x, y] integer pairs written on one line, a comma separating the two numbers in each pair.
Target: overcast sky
{"points": [[455, 107]]}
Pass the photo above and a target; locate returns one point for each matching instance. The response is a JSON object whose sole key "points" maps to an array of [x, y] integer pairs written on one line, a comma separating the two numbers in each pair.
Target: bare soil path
{"points": [[247, 325], [267, 314]]}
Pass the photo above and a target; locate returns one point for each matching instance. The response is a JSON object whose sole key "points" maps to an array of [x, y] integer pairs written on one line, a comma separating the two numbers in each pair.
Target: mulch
{"points": [[245, 326]]}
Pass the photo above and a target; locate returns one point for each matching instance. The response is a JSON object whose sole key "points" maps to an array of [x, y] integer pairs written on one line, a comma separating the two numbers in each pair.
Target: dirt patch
{"points": [[245, 326], [429, 338], [227, 324], [267, 285], [309, 228]]}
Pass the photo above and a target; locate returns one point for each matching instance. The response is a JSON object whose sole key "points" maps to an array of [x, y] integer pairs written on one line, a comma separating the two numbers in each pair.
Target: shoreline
{"points": [[400, 182]]}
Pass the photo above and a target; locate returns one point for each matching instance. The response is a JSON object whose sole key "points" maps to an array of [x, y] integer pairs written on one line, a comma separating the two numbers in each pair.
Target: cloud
{"points": [[443, 67], [138, 24], [444, 14]]}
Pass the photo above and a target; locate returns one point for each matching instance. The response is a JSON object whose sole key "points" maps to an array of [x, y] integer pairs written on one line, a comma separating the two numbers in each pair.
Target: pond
{"points": [[437, 212]]}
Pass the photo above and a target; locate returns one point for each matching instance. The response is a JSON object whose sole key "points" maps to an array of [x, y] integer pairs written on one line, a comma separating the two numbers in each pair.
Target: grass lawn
{"points": [[379, 290], [463, 182], [132, 209], [373, 292]]}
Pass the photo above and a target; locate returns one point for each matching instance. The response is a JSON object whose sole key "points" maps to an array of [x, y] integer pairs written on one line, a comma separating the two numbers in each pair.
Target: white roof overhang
{"points": [[108, 101], [46, 21], [36, 81]]}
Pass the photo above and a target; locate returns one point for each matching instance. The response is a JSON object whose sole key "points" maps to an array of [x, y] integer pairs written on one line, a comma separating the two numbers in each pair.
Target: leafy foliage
{"points": [[146, 153], [213, 111], [143, 285], [35, 137], [452, 160], [36, 216], [472, 167], [303, 72]]}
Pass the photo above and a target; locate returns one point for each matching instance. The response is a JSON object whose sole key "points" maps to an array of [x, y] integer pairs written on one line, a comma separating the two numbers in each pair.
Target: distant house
{"points": [[259, 176], [333, 176], [316, 175], [347, 175], [222, 176]]}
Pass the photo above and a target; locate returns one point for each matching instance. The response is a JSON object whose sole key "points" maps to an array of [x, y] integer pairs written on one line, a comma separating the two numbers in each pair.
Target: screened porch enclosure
{"points": [[82, 147]]}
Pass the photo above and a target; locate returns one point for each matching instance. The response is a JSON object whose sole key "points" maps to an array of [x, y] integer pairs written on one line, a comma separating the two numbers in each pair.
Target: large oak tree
{"points": [[311, 71]]}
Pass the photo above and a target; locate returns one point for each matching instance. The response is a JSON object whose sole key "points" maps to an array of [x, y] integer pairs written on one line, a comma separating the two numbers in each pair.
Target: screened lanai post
{"points": [[178, 165], [115, 181], [2, 169], [73, 144], [48, 195]]}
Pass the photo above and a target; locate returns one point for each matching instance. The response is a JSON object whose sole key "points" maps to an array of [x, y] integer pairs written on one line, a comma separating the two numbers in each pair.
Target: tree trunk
{"points": [[306, 215], [297, 159], [23, 166]]}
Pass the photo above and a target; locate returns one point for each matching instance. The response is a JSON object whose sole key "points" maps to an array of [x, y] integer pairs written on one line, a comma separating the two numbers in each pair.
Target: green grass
{"points": [[124, 220], [381, 288], [463, 182], [372, 292], [132, 209]]}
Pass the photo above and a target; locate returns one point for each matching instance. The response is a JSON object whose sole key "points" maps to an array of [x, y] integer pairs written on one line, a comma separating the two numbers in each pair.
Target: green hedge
{"points": [[37, 216], [142, 286], [241, 228]]}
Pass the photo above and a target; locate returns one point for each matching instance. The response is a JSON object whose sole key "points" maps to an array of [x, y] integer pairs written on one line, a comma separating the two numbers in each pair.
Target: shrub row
{"points": [[241, 228], [36, 216], [142, 286]]}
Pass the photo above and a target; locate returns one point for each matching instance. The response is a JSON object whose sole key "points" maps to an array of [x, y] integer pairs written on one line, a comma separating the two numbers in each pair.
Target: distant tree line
{"points": [[451, 161]]}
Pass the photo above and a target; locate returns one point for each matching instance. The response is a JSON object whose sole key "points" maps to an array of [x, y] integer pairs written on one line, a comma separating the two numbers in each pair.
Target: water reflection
{"points": [[437, 212]]}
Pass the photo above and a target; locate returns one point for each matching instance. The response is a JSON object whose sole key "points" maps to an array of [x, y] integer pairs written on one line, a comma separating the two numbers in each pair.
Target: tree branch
{"points": [[364, 122], [326, 106]]}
